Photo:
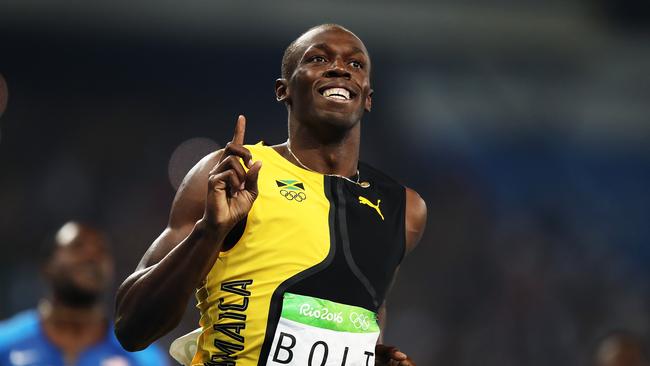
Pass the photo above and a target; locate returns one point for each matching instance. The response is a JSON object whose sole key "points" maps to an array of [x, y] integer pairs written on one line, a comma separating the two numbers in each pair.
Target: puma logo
{"points": [[365, 201]]}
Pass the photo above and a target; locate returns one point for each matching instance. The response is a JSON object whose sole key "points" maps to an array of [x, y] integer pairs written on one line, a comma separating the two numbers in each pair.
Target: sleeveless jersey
{"points": [[304, 281]]}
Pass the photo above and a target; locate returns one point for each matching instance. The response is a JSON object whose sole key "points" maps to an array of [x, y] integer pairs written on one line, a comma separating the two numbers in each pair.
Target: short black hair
{"points": [[289, 59]]}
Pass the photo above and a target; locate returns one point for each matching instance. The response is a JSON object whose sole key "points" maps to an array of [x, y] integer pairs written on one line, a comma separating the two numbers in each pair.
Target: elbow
{"points": [[127, 325], [128, 338], [135, 336], [138, 323]]}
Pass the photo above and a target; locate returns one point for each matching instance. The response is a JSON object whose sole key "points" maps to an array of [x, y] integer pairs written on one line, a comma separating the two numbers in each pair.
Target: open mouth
{"points": [[336, 93]]}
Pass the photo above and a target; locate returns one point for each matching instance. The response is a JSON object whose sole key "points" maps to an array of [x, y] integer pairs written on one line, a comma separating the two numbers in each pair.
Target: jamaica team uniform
{"points": [[306, 277]]}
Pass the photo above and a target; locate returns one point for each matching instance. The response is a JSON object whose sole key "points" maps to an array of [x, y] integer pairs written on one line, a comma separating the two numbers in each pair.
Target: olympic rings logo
{"points": [[293, 196], [360, 321]]}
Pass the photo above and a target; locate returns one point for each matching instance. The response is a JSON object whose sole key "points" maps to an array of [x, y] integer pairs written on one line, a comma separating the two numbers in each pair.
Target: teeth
{"points": [[337, 93]]}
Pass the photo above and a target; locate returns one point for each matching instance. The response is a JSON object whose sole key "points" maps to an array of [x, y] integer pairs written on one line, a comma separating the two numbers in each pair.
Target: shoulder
{"points": [[17, 329], [416, 218], [197, 176], [190, 196], [415, 207], [193, 188]]}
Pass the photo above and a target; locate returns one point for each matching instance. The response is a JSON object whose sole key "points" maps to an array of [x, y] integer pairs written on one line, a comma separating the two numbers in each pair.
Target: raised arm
{"points": [[215, 195]]}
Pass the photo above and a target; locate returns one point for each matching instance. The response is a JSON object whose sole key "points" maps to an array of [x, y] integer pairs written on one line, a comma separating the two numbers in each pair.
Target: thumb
{"points": [[383, 352], [251, 177], [399, 355]]}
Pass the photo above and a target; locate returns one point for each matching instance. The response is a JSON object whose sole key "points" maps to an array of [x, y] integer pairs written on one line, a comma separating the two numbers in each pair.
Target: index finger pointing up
{"points": [[240, 129]]}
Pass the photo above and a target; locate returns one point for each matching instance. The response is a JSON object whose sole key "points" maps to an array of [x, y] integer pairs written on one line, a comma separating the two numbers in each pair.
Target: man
{"points": [[290, 263], [70, 326]]}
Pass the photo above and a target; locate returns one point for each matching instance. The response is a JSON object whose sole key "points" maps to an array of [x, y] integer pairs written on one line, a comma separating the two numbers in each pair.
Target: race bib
{"points": [[317, 332]]}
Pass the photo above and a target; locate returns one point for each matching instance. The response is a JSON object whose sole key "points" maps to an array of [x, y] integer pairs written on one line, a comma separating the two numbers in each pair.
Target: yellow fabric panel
{"points": [[282, 238]]}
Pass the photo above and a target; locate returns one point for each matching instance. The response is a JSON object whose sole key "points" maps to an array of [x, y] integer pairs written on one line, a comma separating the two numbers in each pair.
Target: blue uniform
{"points": [[23, 343]]}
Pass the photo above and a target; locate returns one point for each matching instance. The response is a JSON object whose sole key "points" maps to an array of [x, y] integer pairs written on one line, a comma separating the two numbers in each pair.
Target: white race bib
{"points": [[317, 332]]}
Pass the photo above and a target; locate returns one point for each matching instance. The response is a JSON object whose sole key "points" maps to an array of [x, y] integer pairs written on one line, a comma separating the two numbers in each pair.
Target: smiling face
{"points": [[330, 84]]}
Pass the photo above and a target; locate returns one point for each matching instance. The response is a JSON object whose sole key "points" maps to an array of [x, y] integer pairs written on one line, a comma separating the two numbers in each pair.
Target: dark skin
{"points": [[78, 272], [218, 193]]}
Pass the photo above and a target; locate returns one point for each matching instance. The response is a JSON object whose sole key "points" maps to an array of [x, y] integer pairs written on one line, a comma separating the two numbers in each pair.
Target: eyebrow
{"points": [[325, 47]]}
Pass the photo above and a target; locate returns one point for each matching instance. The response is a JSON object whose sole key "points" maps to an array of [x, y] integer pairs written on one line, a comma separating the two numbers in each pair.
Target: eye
{"points": [[318, 59], [356, 64]]}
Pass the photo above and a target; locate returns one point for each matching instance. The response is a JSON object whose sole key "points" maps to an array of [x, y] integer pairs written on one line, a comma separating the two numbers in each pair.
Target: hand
{"points": [[231, 189], [391, 356]]}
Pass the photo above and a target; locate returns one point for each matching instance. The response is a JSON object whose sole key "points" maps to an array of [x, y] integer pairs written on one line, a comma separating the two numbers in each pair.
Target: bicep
{"points": [[416, 218], [187, 209]]}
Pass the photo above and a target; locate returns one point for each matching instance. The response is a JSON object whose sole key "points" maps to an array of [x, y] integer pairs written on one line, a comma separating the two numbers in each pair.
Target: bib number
{"points": [[317, 332]]}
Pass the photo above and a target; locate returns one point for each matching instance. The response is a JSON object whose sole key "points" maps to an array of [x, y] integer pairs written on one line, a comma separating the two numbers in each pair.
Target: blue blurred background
{"points": [[525, 125]]}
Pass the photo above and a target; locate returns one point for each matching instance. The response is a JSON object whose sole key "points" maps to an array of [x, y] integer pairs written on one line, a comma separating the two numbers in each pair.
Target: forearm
{"points": [[152, 301]]}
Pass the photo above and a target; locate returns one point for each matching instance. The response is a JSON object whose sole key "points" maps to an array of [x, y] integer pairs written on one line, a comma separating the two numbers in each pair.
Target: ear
{"points": [[281, 90], [368, 105]]}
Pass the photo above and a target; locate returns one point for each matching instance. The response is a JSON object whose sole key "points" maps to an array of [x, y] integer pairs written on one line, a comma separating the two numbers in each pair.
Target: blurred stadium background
{"points": [[525, 125]]}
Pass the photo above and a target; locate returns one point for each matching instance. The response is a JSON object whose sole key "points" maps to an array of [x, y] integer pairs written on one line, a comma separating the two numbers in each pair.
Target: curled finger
{"points": [[224, 180], [233, 149], [231, 162]]}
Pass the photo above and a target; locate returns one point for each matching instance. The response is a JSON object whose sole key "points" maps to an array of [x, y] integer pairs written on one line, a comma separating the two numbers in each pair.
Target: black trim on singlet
{"points": [[377, 244], [345, 240], [275, 309], [371, 247], [234, 235]]}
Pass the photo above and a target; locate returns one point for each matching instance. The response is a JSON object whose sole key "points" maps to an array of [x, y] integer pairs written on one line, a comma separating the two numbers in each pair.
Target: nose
{"points": [[337, 69]]}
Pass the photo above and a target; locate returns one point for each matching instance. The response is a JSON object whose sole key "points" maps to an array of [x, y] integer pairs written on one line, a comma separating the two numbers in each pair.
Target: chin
{"points": [[342, 118], [338, 120]]}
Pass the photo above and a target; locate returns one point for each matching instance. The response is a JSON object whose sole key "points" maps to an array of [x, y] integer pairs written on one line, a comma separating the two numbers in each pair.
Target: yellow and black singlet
{"points": [[305, 279]]}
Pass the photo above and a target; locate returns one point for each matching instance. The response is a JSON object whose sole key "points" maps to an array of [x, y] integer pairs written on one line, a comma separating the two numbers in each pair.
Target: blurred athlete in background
{"points": [[291, 263], [70, 326], [621, 348]]}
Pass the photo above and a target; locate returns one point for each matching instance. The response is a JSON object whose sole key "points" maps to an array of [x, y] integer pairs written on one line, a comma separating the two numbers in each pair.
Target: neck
{"points": [[61, 317], [326, 153], [72, 329]]}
